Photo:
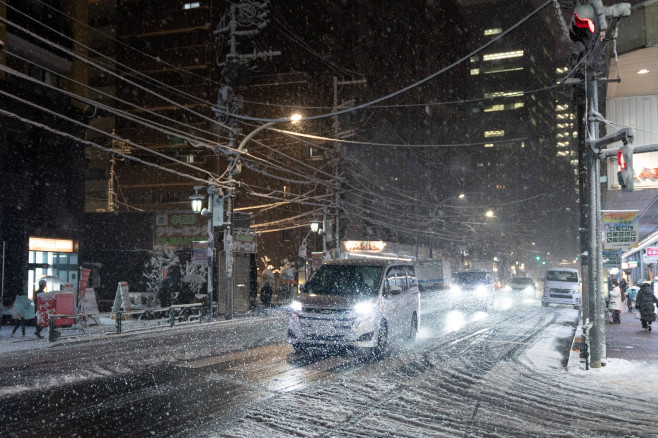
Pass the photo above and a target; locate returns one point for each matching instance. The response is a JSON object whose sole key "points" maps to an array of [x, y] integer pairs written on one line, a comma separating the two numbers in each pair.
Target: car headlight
{"points": [[528, 289], [296, 306], [455, 290], [364, 308], [507, 288], [481, 291]]}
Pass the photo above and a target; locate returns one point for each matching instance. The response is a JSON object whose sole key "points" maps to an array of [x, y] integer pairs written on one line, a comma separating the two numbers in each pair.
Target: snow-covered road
{"points": [[497, 374]]}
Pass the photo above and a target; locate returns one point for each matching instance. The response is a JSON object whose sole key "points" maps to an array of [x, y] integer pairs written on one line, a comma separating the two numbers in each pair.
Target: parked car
{"points": [[356, 303], [562, 286], [472, 290]]}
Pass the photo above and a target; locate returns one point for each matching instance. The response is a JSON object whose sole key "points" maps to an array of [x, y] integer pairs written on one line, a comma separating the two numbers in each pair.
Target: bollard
{"points": [[118, 323], [172, 318]]}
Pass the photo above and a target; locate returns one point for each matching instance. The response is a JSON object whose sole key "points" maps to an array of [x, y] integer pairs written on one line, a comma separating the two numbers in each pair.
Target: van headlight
{"points": [[296, 306], [455, 290], [364, 307], [481, 291], [528, 289]]}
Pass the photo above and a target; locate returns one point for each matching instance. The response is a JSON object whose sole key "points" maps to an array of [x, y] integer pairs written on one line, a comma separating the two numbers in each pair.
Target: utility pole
{"points": [[244, 19], [338, 151]]}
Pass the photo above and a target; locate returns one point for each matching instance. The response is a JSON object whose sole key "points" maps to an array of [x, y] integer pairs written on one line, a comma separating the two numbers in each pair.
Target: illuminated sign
{"points": [[364, 245], [632, 264], [652, 252], [52, 245]]}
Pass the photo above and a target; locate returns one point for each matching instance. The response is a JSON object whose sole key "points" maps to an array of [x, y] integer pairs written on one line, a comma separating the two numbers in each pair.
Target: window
{"points": [[503, 55], [191, 5], [498, 133], [492, 31]]}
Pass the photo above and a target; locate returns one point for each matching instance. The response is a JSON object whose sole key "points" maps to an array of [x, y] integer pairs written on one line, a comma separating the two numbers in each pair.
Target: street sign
{"points": [[612, 259]]}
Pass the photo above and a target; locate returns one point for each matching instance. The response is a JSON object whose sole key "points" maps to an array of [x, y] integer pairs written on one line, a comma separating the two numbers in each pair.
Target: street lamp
{"points": [[489, 213], [197, 200], [197, 204], [228, 236]]}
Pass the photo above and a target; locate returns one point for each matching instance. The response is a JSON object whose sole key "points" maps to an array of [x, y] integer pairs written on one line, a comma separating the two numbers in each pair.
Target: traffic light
{"points": [[625, 162], [584, 25], [537, 258]]}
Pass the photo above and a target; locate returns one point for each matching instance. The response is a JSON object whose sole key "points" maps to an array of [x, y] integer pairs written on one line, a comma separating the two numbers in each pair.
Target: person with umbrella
{"points": [[644, 303], [22, 310]]}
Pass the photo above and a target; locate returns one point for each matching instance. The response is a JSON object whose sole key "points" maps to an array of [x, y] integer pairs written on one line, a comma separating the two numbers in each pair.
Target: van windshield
{"points": [[471, 278], [346, 280], [571, 277]]}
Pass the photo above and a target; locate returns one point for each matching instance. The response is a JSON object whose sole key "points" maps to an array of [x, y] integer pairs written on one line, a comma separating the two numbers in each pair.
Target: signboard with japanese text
{"points": [[217, 211], [652, 253], [620, 229], [177, 230], [199, 253], [245, 243], [612, 259]]}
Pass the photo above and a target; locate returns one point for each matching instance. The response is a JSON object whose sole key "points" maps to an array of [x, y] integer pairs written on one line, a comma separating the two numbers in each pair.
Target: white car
{"points": [[472, 290], [356, 303], [522, 286]]}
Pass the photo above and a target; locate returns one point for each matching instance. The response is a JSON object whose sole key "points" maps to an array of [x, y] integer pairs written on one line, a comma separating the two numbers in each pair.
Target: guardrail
{"points": [[175, 315]]}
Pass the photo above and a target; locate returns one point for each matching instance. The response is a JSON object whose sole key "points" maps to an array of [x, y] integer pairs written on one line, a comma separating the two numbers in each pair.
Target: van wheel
{"points": [[414, 327], [576, 307], [382, 342]]}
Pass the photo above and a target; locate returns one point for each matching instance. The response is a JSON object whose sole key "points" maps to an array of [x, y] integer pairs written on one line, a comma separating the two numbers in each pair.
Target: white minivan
{"points": [[356, 303], [562, 286]]}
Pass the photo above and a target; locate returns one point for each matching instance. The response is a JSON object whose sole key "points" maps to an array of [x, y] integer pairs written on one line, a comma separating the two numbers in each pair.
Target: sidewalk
{"points": [[630, 341], [626, 342]]}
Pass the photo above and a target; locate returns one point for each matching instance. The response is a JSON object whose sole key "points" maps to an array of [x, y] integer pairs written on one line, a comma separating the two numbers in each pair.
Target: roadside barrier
{"points": [[131, 320]]}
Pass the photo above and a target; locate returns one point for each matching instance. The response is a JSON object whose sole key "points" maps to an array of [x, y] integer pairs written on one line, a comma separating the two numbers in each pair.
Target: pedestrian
{"points": [[615, 303], [644, 303], [266, 294], [21, 312], [42, 288]]}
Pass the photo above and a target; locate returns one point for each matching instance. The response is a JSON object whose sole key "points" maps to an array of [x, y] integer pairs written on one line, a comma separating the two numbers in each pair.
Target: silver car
{"points": [[356, 303]]}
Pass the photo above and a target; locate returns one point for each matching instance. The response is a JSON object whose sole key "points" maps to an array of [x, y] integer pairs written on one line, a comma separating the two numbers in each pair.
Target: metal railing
{"points": [[126, 321]]}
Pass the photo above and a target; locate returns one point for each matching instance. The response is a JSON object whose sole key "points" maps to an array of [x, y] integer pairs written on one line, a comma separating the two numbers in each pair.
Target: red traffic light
{"points": [[584, 23], [620, 160]]}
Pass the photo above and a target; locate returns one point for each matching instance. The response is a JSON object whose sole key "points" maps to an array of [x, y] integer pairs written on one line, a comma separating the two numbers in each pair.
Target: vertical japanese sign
{"points": [[620, 229]]}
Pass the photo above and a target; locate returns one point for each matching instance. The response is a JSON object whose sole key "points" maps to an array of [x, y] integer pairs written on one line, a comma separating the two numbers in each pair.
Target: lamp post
{"points": [[228, 236], [197, 204]]}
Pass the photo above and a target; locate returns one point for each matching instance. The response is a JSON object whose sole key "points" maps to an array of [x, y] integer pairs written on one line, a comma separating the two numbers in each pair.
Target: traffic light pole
{"points": [[596, 308]]}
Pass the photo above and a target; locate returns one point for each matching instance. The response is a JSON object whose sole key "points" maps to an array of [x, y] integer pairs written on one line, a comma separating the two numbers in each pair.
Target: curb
{"points": [[574, 362]]}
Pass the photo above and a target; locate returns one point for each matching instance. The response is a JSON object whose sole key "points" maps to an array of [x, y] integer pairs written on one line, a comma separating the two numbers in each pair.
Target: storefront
{"points": [[55, 260]]}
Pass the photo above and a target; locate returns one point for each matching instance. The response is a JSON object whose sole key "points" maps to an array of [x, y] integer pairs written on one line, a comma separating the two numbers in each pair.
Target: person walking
{"points": [[644, 303], [42, 288], [21, 312], [615, 303]]}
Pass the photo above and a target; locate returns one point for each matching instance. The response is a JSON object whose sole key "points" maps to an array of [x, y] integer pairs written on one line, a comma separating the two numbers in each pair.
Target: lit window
{"points": [[489, 145], [494, 108], [475, 71], [498, 133], [518, 105], [504, 94], [493, 31], [562, 107], [503, 55], [192, 5], [503, 70]]}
